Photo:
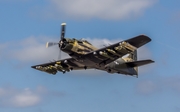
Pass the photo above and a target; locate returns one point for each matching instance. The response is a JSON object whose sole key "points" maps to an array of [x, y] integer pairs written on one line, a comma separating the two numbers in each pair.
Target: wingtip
{"points": [[143, 35], [151, 61], [33, 67], [146, 36]]}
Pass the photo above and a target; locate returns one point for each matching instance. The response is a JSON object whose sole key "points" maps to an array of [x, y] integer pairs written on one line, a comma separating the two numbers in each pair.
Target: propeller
{"points": [[49, 44], [61, 42]]}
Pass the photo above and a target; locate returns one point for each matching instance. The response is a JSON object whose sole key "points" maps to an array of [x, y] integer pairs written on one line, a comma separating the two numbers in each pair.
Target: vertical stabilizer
{"points": [[133, 56]]}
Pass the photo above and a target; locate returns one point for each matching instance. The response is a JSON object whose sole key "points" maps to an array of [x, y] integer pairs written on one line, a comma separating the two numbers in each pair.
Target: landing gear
{"points": [[64, 72], [109, 70], [71, 69]]}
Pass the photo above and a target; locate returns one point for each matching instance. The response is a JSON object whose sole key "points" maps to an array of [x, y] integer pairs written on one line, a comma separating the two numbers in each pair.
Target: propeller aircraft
{"points": [[86, 56]]}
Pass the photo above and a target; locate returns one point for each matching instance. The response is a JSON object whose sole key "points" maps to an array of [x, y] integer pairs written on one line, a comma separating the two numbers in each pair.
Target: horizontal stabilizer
{"points": [[139, 63]]}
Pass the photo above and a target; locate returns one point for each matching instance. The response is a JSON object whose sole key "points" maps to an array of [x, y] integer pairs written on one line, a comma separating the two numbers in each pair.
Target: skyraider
{"points": [[86, 56]]}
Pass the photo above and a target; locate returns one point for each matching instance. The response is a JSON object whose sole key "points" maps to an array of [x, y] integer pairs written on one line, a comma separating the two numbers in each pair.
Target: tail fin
{"points": [[135, 64], [133, 56]]}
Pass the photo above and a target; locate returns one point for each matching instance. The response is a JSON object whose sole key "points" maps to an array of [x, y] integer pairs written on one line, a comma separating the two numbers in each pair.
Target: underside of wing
{"points": [[65, 65], [110, 53]]}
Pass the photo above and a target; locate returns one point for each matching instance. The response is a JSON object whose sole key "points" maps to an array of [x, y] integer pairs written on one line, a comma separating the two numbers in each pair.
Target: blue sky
{"points": [[26, 26]]}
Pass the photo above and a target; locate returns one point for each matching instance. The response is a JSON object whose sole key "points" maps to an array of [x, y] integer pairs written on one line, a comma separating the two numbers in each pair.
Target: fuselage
{"points": [[75, 47]]}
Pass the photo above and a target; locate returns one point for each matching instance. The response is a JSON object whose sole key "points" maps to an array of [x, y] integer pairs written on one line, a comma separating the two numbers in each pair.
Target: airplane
{"points": [[120, 57]]}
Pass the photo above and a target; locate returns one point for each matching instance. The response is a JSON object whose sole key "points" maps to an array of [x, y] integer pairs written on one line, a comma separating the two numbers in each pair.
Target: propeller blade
{"points": [[49, 44], [59, 55], [63, 26]]}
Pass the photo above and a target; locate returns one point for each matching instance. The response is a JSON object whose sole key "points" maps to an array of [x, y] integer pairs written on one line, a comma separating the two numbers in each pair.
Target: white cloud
{"points": [[31, 49], [172, 82], [146, 87], [12, 97], [99, 43], [2, 50], [144, 53], [25, 98], [101, 9]]}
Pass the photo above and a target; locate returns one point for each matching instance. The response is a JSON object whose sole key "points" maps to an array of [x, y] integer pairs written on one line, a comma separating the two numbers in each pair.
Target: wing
{"points": [[60, 65], [110, 53]]}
